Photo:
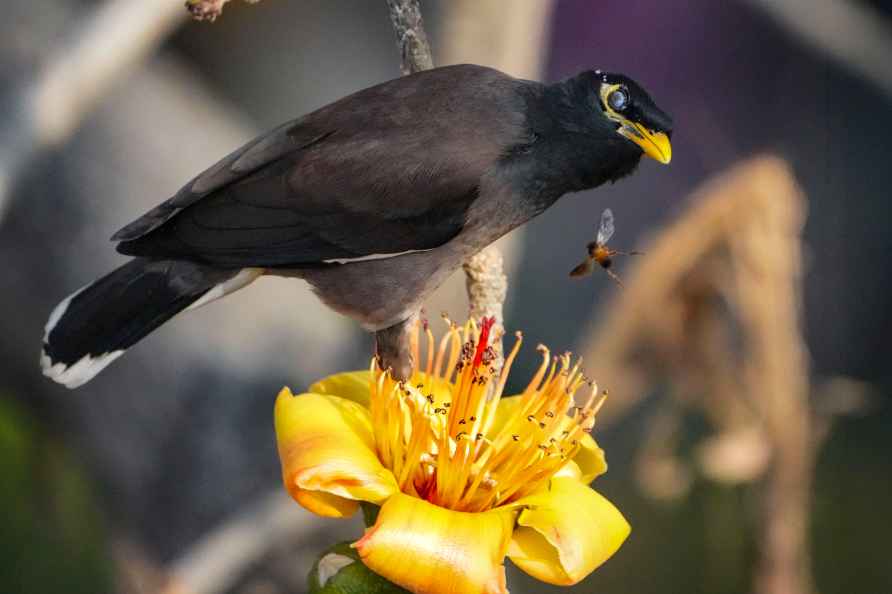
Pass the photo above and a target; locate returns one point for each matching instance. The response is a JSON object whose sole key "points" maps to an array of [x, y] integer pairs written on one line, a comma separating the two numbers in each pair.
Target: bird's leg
{"points": [[393, 350]]}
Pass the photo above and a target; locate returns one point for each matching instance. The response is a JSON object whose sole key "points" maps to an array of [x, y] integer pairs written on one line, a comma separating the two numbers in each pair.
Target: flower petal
{"points": [[565, 532], [590, 458], [433, 550], [328, 455], [355, 386], [352, 385]]}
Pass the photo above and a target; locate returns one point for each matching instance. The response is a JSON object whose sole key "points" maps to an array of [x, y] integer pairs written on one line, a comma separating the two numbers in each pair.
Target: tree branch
{"points": [[486, 282], [209, 10], [487, 287], [411, 39]]}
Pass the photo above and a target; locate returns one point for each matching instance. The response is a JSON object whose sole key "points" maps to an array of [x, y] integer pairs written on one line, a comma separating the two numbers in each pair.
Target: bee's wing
{"points": [[605, 231], [585, 268]]}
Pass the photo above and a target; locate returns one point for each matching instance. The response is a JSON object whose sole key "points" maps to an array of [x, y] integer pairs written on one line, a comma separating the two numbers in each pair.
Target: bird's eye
{"points": [[618, 100]]}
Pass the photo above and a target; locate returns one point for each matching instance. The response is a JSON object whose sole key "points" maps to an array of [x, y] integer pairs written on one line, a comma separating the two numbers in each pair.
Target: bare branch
{"points": [[487, 287], [415, 51], [208, 10]]}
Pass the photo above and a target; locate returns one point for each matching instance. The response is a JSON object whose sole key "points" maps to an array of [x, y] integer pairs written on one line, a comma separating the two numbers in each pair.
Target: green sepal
{"points": [[352, 578], [369, 513]]}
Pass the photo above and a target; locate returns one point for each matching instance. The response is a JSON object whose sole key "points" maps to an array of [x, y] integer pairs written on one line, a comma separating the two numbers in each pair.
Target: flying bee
{"points": [[599, 252]]}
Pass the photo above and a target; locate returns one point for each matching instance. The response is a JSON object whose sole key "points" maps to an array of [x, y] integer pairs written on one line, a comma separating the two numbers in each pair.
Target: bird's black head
{"points": [[594, 128], [634, 114]]}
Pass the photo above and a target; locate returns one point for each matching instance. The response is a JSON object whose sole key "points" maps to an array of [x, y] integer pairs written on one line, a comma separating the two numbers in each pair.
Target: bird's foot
{"points": [[393, 348]]}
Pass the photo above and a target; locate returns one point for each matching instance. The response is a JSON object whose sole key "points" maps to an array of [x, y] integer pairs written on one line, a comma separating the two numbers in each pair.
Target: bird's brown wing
{"points": [[390, 169]]}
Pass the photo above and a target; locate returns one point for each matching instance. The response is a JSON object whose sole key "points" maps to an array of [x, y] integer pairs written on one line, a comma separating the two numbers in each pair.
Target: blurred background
{"points": [[748, 357]]}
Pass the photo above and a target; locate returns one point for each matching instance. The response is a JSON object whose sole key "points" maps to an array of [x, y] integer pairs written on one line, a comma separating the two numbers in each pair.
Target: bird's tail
{"points": [[94, 326]]}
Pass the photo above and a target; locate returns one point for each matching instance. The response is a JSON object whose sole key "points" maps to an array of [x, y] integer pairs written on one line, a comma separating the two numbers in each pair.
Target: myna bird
{"points": [[374, 200]]}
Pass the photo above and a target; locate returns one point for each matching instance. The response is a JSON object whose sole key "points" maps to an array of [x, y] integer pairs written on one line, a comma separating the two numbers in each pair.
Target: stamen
{"points": [[429, 367], [445, 452]]}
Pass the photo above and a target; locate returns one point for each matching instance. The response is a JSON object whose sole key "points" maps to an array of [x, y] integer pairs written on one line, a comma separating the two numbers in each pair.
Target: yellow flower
{"points": [[463, 476]]}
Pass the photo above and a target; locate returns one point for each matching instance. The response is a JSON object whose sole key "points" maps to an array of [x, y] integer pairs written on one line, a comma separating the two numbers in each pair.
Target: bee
{"points": [[599, 252]]}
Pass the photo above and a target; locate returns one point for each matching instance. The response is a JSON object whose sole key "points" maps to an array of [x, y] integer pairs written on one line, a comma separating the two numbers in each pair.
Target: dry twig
{"points": [[208, 10], [487, 287], [411, 38]]}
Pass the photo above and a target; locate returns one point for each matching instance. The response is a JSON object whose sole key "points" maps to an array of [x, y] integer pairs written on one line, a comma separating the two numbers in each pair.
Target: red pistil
{"points": [[486, 325]]}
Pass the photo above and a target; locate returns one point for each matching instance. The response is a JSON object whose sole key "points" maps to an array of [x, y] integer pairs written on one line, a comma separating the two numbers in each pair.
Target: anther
{"points": [[462, 422], [515, 437], [549, 414], [472, 419], [489, 355]]}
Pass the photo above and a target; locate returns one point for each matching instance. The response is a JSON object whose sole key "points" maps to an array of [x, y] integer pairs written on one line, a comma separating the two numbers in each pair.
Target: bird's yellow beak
{"points": [[655, 145]]}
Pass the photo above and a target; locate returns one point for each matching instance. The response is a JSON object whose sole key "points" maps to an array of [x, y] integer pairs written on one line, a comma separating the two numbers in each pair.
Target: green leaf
{"points": [[340, 571]]}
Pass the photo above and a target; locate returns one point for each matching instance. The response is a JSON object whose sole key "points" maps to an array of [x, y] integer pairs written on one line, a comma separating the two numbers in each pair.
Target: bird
{"points": [[374, 200]]}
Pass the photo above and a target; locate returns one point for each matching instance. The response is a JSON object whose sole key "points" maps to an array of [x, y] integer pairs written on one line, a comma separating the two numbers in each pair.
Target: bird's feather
{"points": [[386, 170]]}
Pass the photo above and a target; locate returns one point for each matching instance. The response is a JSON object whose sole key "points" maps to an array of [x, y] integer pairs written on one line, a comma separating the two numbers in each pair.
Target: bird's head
{"points": [[594, 128], [633, 114]]}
